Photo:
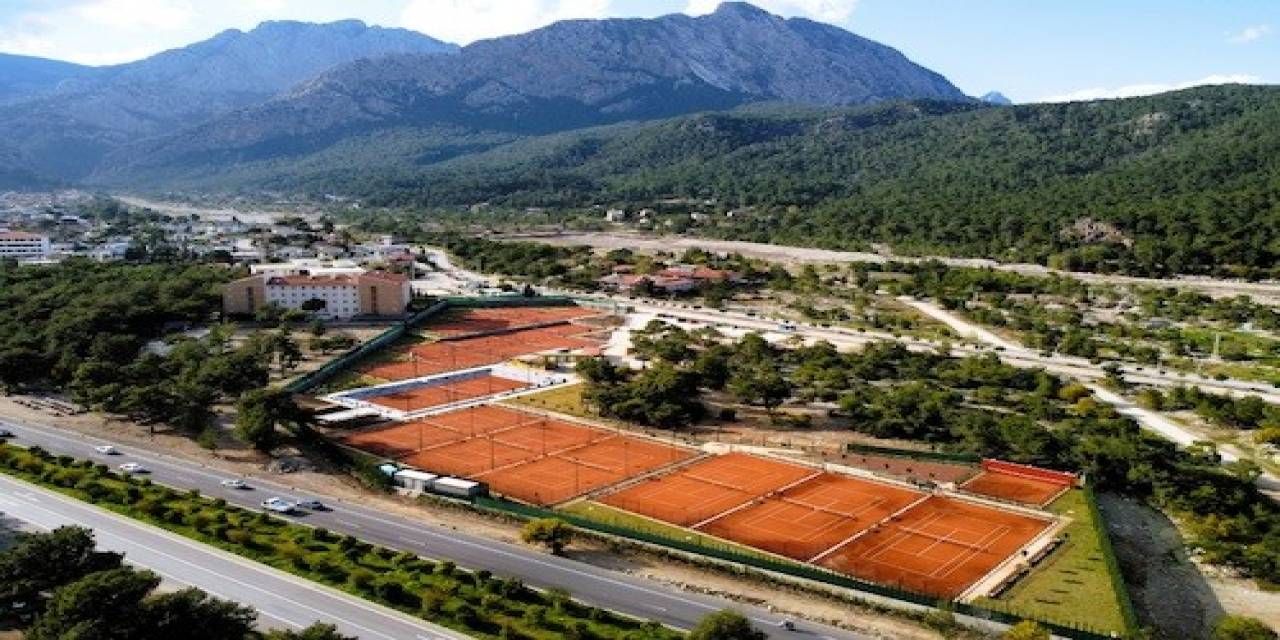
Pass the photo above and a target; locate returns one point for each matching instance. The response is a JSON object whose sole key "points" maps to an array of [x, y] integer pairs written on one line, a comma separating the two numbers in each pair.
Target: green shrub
{"points": [[362, 578], [446, 568], [432, 603]]}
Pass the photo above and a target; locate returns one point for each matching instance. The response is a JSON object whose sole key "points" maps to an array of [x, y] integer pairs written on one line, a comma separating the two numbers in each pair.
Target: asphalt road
{"points": [[1007, 351], [600, 587], [282, 600]]}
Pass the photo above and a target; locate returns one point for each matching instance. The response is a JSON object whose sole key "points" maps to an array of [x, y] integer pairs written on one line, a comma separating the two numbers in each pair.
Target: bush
{"points": [[446, 568], [726, 625], [1026, 630], [469, 617], [432, 603], [362, 578], [1242, 628], [552, 533]]}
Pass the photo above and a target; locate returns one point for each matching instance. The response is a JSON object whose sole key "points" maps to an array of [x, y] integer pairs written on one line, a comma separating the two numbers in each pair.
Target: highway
{"points": [[1268, 292], [989, 343], [282, 600], [600, 587], [734, 324]]}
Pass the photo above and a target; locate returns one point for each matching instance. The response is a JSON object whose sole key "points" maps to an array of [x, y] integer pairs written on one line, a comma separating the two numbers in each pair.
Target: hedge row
{"points": [[795, 569], [477, 604], [914, 454], [1127, 611]]}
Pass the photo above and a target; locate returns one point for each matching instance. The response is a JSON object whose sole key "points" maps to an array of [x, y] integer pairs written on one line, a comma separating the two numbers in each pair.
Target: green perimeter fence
{"points": [[701, 546], [385, 339], [808, 572], [1127, 611], [915, 454]]}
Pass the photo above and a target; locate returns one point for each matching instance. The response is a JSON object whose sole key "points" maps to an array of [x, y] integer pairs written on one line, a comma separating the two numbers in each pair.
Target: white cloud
{"points": [[1130, 91], [114, 31], [1249, 34], [833, 11], [465, 21], [165, 15]]}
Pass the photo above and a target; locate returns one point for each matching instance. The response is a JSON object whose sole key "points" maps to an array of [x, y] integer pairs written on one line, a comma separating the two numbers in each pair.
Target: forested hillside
{"points": [[1183, 182]]}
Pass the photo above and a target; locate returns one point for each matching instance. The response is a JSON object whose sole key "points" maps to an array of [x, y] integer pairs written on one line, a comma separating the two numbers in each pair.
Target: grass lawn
{"points": [[617, 517], [1072, 586], [566, 400]]}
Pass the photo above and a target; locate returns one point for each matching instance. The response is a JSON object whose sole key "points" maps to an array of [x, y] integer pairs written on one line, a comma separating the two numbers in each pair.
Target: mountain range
{"points": [[288, 92], [1184, 182], [64, 118]]}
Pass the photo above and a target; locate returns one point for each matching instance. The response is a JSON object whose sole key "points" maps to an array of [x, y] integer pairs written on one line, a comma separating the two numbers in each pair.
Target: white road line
{"points": [[248, 564], [495, 548]]}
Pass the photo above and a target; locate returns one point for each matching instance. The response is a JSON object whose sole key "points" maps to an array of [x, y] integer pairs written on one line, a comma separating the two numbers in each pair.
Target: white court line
{"points": [[847, 541]]}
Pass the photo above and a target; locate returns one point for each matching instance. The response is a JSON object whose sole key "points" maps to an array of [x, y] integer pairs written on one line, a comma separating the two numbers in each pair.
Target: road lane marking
{"points": [[226, 556], [439, 537]]}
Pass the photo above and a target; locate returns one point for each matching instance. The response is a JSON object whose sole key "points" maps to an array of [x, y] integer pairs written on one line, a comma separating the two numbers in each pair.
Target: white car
{"points": [[132, 467], [278, 505], [106, 450], [234, 483]]}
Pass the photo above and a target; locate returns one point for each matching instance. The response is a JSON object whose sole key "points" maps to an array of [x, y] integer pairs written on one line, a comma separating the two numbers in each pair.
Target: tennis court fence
{"points": [[350, 358], [702, 546], [914, 454]]}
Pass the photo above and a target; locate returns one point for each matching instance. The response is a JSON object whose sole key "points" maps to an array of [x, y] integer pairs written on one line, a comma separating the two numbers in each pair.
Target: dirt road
{"points": [[1263, 292]]}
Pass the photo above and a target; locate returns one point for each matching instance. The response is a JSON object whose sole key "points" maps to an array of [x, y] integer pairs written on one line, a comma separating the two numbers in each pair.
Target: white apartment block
{"points": [[340, 295], [331, 297], [21, 245]]}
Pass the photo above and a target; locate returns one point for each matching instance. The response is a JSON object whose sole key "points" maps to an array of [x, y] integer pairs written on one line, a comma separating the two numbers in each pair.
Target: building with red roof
{"points": [[21, 245], [330, 297]]}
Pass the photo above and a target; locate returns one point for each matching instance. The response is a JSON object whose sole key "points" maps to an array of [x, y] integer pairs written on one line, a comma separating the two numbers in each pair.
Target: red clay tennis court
{"points": [[807, 519], [1019, 483], [708, 488], [447, 392], [874, 530], [939, 547], [501, 318], [519, 454], [574, 471], [464, 353]]}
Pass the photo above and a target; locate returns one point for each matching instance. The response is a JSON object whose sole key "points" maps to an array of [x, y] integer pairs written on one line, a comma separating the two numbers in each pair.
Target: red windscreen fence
{"points": [[1028, 471]]}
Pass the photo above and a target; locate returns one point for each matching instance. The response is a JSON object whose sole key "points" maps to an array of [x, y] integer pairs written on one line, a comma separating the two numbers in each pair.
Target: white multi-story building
{"points": [[308, 267], [341, 295], [337, 296], [24, 246]]}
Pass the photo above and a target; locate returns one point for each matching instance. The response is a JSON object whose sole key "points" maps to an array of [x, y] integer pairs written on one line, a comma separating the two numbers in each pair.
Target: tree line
{"points": [[58, 585], [1182, 182], [976, 404]]}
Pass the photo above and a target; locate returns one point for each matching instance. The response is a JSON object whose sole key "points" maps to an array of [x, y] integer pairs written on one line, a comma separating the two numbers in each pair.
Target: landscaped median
{"points": [[476, 603]]}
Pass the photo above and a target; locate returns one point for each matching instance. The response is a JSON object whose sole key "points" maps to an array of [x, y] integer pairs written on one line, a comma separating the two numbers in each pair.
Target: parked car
{"points": [[132, 467]]}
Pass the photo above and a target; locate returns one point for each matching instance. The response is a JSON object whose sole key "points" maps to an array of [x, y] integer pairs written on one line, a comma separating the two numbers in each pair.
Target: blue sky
{"points": [[1031, 50]]}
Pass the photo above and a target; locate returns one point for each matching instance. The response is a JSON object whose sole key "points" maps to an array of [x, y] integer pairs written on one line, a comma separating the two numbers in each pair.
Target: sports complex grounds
{"points": [[441, 406]]}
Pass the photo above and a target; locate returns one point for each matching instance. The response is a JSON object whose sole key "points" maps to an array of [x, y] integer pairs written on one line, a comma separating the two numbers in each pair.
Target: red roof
{"points": [[397, 278], [19, 235], [310, 281]]}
